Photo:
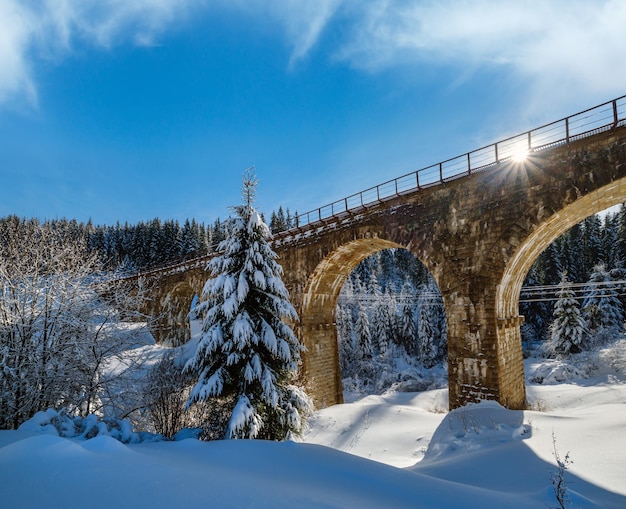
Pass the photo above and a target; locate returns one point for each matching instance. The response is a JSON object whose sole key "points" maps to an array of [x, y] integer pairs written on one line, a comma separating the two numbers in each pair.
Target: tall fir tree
{"points": [[568, 329], [347, 350], [537, 314], [382, 336], [574, 253], [611, 256], [592, 246], [620, 224], [408, 330], [247, 355]]}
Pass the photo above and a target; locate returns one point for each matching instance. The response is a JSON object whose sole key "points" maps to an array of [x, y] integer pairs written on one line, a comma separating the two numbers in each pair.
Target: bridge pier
{"points": [[510, 365], [321, 362], [484, 353]]}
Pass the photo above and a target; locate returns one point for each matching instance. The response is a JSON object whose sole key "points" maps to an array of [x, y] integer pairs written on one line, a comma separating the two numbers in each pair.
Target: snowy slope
{"points": [[481, 456]]}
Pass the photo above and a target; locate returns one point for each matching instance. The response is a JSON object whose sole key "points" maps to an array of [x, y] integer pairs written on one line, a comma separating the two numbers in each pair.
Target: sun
{"points": [[520, 153]]}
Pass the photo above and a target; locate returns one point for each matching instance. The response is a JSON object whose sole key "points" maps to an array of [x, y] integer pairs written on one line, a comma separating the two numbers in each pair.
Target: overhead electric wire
{"points": [[580, 290], [528, 294]]}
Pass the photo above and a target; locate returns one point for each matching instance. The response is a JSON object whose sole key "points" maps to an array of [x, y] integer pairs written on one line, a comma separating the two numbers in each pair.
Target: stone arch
{"points": [[317, 315], [508, 291], [508, 342]]}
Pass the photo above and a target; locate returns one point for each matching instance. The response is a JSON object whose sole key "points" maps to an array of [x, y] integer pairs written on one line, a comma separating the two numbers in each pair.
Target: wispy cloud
{"points": [[34, 29], [302, 21], [110, 21], [558, 48], [17, 27]]}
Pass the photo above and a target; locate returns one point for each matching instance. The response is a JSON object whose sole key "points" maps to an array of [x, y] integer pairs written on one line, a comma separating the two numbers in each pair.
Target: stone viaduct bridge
{"points": [[477, 222]]}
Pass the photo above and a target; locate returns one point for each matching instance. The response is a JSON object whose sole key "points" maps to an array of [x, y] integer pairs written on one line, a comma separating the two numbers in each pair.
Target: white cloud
{"points": [[302, 21], [557, 48], [16, 29], [35, 29], [107, 22]]}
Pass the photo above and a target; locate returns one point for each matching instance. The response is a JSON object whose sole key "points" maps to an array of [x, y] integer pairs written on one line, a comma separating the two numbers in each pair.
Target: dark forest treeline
{"points": [[154, 243], [131, 247], [158, 242], [144, 245]]}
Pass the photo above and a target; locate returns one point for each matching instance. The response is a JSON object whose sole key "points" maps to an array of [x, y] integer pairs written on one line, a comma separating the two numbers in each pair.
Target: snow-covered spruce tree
{"points": [[247, 357], [567, 330], [364, 334], [346, 339], [537, 314], [381, 330], [601, 306]]}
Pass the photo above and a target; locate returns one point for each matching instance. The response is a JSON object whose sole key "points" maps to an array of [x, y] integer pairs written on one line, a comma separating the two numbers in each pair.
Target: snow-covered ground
{"points": [[391, 451]]}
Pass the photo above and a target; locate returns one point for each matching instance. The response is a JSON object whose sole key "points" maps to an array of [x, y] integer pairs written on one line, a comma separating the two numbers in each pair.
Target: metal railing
{"points": [[603, 117]]}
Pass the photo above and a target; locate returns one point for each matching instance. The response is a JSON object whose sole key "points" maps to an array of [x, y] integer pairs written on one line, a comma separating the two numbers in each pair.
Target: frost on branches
{"points": [[247, 358], [58, 329]]}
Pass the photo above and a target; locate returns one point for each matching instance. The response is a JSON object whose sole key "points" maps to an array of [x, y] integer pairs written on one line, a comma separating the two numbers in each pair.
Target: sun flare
{"points": [[519, 154]]}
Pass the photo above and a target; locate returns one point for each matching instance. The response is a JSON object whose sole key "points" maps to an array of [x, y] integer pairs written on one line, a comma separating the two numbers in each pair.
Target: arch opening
{"points": [[509, 338], [391, 327], [589, 259], [319, 314]]}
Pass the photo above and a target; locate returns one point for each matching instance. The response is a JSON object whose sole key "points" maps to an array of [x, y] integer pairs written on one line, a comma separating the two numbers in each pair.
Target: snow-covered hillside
{"points": [[394, 450]]}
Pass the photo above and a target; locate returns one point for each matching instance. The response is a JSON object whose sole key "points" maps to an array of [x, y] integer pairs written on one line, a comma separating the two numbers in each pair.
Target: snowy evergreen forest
{"points": [[391, 326], [149, 244], [71, 341], [593, 256]]}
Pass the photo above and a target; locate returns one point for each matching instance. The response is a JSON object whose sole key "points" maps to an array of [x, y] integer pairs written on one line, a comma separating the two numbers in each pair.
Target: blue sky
{"points": [[126, 111]]}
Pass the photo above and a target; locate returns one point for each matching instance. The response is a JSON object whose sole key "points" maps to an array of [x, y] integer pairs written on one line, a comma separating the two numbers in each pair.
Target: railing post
{"points": [[615, 117], [346, 203], [496, 150], [567, 130], [440, 172], [396, 182], [417, 179], [529, 142], [469, 164]]}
